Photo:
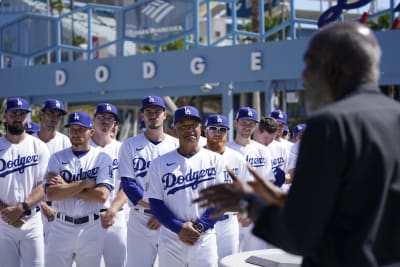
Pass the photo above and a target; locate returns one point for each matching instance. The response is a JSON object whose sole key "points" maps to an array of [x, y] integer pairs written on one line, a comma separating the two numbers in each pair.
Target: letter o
{"points": [[102, 74]]}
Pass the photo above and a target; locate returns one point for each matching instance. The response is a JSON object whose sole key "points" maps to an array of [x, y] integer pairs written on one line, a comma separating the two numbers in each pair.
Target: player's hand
{"points": [[266, 190], [12, 214], [47, 211], [18, 223], [153, 223], [107, 218], [225, 197], [53, 179], [244, 221], [188, 234]]}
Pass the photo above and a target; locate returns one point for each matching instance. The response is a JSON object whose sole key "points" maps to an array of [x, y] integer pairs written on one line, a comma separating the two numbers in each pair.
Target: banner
{"points": [[159, 20]]}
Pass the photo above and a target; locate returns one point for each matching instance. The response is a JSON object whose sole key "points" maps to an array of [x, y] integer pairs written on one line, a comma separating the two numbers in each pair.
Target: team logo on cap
{"points": [[76, 116], [280, 115], [151, 99], [58, 105], [108, 107], [187, 111], [249, 113], [19, 102], [219, 119]]}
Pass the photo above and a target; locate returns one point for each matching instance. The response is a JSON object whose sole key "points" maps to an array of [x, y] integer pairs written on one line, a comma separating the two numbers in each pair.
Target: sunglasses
{"points": [[214, 129]]}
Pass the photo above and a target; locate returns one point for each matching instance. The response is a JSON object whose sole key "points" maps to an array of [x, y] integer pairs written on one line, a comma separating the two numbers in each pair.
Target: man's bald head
{"points": [[347, 54]]}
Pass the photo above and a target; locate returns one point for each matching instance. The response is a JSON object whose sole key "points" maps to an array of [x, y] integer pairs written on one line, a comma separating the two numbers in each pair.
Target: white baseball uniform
{"points": [[227, 229], [57, 143], [259, 158], [177, 180], [114, 251], [22, 167], [136, 154], [77, 234]]}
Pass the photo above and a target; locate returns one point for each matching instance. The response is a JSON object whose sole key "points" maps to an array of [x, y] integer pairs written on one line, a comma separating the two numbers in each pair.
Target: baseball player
{"points": [[113, 216], [227, 228], [23, 161], [257, 155], [50, 116], [281, 117], [187, 237], [136, 155], [265, 134], [79, 180]]}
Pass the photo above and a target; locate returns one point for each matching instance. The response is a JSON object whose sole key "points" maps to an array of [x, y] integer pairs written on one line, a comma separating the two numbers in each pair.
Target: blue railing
{"points": [[19, 37]]}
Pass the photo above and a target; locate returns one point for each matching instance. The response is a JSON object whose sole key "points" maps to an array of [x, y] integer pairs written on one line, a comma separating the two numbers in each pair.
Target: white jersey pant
{"points": [[80, 242], [142, 244], [22, 245], [173, 252], [227, 232], [248, 241], [114, 251]]}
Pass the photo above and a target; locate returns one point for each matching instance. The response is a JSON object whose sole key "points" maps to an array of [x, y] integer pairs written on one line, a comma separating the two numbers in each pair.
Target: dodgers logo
{"points": [[277, 162], [140, 166], [81, 175], [173, 183], [115, 164], [256, 162], [17, 165], [227, 177]]}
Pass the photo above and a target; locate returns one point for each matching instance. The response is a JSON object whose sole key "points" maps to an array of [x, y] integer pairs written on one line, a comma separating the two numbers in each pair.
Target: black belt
{"points": [[102, 210], [77, 220], [29, 212], [146, 211]]}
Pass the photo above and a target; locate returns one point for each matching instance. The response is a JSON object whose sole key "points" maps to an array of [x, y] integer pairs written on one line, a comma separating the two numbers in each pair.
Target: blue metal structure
{"points": [[265, 66]]}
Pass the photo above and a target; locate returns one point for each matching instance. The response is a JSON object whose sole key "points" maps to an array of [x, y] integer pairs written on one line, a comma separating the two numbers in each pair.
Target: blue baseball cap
{"points": [[299, 128], [79, 118], [186, 112], [247, 113], [17, 103], [286, 129], [107, 108], [279, 115], [54, 104], [216, 120], [32, 127], [152, 101]]}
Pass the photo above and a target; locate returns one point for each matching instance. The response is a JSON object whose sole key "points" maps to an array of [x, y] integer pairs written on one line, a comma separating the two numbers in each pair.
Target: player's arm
{"points": [[107, 217], [133, 191], [99, 193], [66, 190], [13, 214]]}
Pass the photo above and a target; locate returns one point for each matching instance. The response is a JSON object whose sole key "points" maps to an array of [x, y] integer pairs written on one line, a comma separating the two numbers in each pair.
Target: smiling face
{"points": [[188, 130]]}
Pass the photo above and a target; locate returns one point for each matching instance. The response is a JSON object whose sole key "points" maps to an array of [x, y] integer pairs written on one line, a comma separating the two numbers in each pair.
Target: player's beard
{"points": [[216, 145], [16, 129]]}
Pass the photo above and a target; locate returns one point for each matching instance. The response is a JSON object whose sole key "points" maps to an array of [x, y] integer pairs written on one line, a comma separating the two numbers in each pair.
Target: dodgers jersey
{"points": [[177, 180], [257, 155], [136, 154], [279, 155], [238, 164], [112, 149], [96, 164], [58, 142], [22, 167]]}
